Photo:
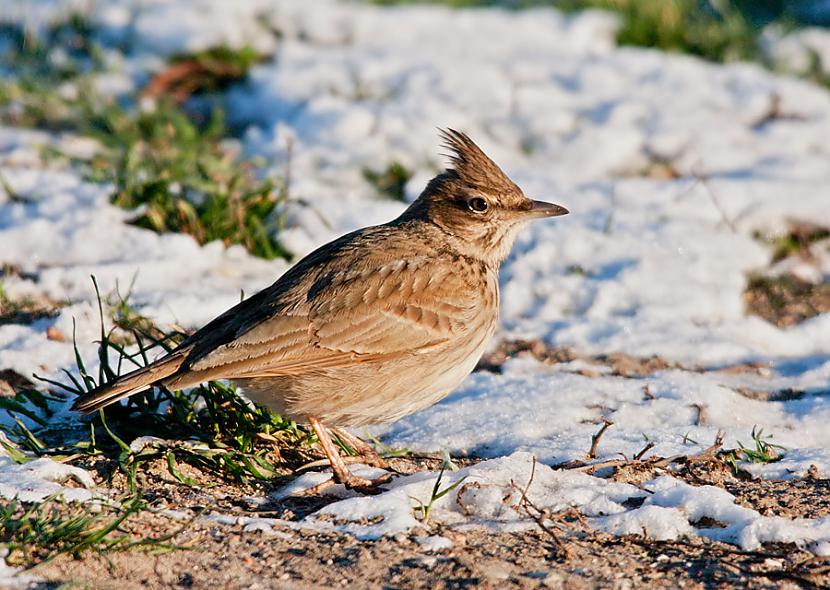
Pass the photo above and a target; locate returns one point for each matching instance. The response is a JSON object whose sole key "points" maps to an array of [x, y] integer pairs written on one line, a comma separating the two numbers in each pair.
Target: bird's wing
{"points": [[394, 309]]}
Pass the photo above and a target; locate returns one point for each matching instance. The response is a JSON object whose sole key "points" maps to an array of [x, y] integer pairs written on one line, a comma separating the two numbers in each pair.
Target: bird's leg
{"points": [[341, 473], [364, 450]]}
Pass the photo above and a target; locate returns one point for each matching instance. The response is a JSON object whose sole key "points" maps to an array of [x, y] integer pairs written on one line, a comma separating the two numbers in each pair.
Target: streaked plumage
{"points": [[375, 325]]}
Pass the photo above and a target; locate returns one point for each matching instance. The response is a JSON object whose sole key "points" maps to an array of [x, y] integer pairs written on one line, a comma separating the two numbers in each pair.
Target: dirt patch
{"points": [[780, 395], [225, 556], [23, 310], [779, 295], [618, 363], [26, 310], [786, 300], [11, 382], [800, 498]]}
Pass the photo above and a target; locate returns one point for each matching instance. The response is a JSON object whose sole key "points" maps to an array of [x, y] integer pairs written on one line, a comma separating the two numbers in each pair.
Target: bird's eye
{"points": [[478, 204]]}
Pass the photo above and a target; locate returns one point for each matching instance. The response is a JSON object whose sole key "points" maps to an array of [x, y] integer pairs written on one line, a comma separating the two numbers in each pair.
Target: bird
{"points": [[375, 325]]}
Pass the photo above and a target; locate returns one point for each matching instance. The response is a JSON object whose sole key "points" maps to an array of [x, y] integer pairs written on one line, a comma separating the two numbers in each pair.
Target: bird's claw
{"points": [[370, 487], [366, 486]]}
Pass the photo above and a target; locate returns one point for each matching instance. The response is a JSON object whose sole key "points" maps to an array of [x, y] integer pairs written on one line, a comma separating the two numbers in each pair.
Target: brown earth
{"points": [[210, 554], [222, 556]]}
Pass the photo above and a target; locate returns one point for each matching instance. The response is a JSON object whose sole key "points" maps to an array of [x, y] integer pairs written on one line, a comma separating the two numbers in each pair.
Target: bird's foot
{"points": [[361, 484], [365, 452], [370, 487], [341, 473], [326, 463], [373, 459]]}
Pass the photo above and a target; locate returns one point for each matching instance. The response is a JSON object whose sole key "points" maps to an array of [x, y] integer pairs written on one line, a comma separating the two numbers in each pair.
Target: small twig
{"points": [[712, 451], [538, 515], [704, 182], [530, 479], [645, 450], [774, 113], [656, 462], [592, 453], [700, 420]]}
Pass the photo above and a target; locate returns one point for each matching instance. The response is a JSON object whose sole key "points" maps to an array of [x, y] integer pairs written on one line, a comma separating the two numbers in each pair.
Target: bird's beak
{"points": [[542, 209]]}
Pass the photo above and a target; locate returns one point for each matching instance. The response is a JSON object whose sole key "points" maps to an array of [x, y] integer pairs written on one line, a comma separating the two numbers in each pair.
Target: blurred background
{"points": [[155, 89]]}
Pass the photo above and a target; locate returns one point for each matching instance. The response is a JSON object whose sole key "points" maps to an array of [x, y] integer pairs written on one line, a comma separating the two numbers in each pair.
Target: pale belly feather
{"points": [[376, 392]]}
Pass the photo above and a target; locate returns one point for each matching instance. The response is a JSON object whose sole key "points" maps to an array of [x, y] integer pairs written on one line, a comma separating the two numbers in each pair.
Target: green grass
{"points": [[174, 167], [35, 533], [210, 427], [391, 181], [180, 176], [718, 31], [183, 179], [762, 451], [33, 53], [219, 435], [425, 508]]}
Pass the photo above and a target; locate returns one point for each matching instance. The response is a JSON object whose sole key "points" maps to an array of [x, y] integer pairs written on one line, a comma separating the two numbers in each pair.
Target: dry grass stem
{"points": [[704, 182], [701, 418], [541, 516], [645, 449], [592, 452]]}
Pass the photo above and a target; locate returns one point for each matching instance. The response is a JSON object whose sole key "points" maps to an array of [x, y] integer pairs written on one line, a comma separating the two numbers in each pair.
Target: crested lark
{"points": [[373, 326]]}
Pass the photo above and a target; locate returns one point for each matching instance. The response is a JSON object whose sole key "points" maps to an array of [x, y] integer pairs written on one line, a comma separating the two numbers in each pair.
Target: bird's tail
{"points": [[131, 383]]}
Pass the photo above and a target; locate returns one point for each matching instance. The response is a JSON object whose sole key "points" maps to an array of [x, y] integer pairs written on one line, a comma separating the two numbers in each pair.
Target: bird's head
{"points": [[476, 204]]}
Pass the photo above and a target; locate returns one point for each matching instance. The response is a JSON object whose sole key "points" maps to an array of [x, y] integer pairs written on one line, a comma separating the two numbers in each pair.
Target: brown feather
{"points": [[473, 166], [129, 384]]}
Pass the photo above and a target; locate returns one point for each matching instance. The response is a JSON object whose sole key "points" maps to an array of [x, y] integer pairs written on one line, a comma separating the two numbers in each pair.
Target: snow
{"points": [[801, 51], [434, 543], [643, 264], [745, 527], [553, 414], [40, 479], [490, 497]]}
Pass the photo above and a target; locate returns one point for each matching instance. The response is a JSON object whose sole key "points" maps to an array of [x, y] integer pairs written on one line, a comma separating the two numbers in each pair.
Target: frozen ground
{"points": [[645, 264]]}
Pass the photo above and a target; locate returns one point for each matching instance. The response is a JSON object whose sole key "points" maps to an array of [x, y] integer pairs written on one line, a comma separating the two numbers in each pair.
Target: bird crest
{"points": [[471, 164]]}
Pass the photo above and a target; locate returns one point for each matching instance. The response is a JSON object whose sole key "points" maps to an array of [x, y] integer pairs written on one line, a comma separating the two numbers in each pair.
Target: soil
{"points": [[618, 364], [211, 554], [786, 300], [222, 556]]}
